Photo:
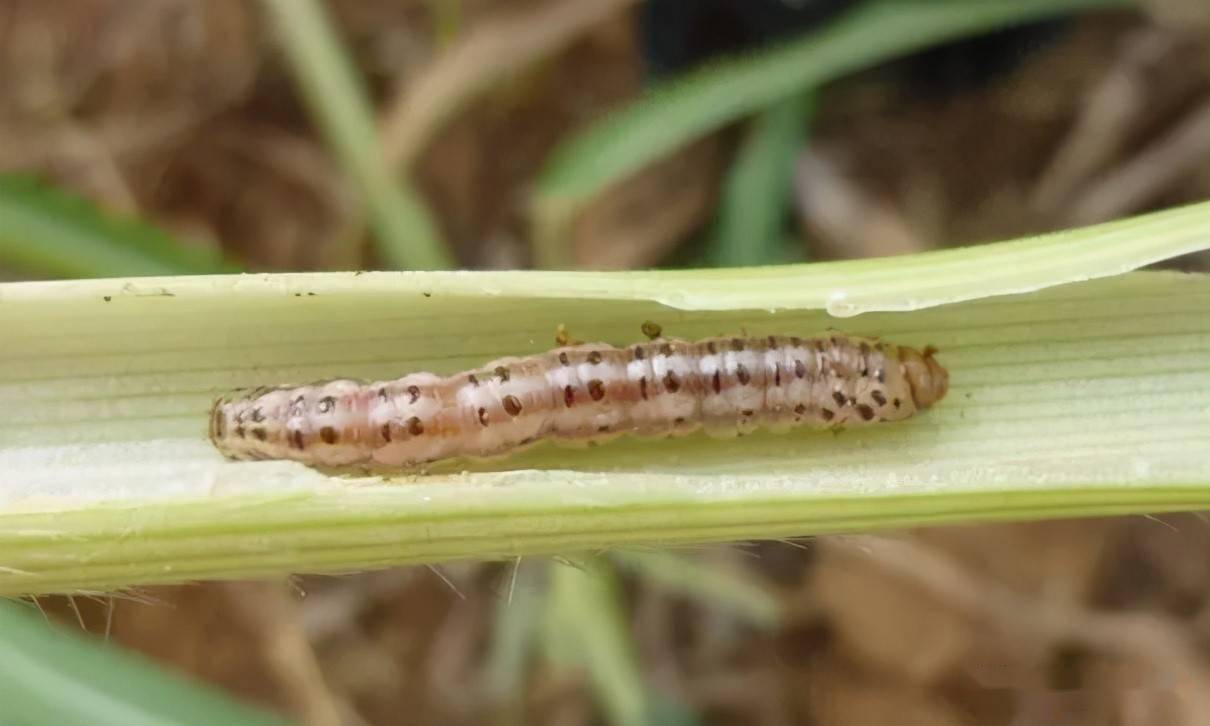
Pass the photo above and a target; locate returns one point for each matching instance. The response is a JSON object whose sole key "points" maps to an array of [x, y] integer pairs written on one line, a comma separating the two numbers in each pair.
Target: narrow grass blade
{"points": [[406, 233], [48, 676], [1067, 399], [676, 113], [516, 625], [714, 587], [585, 628], [758, 189], [49, 232]]}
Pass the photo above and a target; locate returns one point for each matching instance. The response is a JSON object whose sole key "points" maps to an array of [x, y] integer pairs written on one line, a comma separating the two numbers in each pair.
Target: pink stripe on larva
{"points": [[589, 392]]}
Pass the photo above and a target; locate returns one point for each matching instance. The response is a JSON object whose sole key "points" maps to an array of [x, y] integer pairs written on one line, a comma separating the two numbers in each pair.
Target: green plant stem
{"points": [[406, 233], [1075, 399]]}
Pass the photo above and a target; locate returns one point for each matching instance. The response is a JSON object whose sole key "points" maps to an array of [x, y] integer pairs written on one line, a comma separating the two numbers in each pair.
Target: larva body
{"points": [[589, 392]]}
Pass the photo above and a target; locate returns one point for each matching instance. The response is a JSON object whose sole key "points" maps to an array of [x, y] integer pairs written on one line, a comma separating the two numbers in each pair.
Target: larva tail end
{"points": [[216, 421], [928, 379]]}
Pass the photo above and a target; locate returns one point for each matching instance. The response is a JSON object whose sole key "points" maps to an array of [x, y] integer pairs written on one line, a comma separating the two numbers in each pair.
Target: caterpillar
{"points": [[582, 392]]}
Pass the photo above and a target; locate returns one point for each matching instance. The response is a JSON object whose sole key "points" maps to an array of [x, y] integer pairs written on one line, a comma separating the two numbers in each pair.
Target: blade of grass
{"points": [[405, 231], [756, 195], [516, 624], [585, 627], [48, 676], [674, 114], [47, 231], [1078, 399], [713, 586]]}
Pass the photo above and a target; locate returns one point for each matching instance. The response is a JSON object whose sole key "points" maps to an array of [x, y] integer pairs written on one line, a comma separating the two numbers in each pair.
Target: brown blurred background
{"points": [[185, 114]]}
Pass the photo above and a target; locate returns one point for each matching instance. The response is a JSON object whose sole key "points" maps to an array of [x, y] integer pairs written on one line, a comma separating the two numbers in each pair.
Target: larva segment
{"points": [[583, 393]]}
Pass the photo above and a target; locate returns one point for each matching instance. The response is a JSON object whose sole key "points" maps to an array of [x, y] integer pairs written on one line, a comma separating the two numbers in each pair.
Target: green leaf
{"points": [[1067, 399], [759, 187], [407, 235], [48, 676], [47, 231], [682, 110]]}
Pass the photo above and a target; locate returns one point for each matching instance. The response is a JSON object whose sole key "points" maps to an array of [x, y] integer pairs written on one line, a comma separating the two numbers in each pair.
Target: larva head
{"points": [[926, 377], [241, 425]]}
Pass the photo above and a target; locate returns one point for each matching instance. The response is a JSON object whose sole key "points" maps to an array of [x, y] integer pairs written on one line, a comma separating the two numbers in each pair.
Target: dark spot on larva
{"points": [[328, 435], [800, 369], [671, 383], [827, 414], [502, 373], [482, 415], [416, 427], [471, 379], [596, 389], [240, 432], [257, 415], [863, 371], [107, 298], [678, 420], [414, 392], [741, 373], [880, 374], [326, 404], [564, 359], [594, 356], [512, 405], [737, 345], [643, 387], [865, 412], [296, 406], [603, 429], [239, 416], [717, 382], [747, 412], [665, 350], [711, 347], [776, 375], [260, 433], [386, 432], [896, 402], [569, 396], [382, 395], [878, 397], [839, 398], [639, 353], [296, 439], [800, 409]]}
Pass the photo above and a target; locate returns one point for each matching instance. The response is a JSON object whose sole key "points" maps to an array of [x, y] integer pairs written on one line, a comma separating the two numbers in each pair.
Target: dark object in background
{"points": [[679, 34]]}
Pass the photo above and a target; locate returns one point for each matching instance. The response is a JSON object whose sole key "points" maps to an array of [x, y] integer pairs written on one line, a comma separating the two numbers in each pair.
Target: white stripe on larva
{"points": [[589, 392]]}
